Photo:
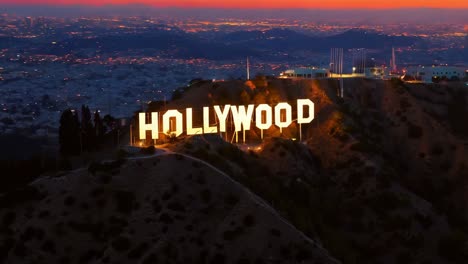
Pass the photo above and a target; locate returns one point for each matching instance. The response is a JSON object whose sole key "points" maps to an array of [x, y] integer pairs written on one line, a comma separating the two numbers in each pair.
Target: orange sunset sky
{"points": [[345, 4]]}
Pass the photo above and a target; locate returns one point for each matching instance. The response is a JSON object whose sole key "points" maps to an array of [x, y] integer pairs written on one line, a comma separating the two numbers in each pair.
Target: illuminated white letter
{"points": [[288, 120], [222, 116], [166, 122], [153, 126], [242, 118], [207, 129], [189, 121], [268, 118], [300, 111]]}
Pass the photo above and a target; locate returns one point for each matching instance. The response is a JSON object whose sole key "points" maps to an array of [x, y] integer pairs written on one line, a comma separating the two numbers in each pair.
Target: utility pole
{"points": [[131, 139], [300, 132], [341, 74]]}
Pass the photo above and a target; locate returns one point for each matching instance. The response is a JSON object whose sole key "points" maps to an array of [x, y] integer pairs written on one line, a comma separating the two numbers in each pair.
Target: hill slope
{"points": [[382, 170], [380, 177], [169, 208]]}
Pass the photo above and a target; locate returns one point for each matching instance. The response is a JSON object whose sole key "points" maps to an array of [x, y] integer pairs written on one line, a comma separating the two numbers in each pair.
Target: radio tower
{"points": [[394, 67], [336, 67]]}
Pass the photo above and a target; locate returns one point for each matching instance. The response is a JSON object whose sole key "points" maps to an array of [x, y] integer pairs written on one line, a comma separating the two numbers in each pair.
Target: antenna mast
{"points": [[248, 69], [336, 66]]}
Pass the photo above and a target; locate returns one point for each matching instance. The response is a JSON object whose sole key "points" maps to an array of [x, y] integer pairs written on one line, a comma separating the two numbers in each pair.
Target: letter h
{"points": [[153, 126]]}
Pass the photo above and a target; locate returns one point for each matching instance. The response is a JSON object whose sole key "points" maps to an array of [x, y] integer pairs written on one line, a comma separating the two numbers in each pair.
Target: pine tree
{"points": [[88, 134], [69, 133], [98, 128], [109, 122], [77, 144]]}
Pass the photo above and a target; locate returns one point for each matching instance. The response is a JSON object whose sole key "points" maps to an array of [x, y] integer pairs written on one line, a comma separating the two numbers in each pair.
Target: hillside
{"points": [[168, 208], [383, 169], [380, 177]]}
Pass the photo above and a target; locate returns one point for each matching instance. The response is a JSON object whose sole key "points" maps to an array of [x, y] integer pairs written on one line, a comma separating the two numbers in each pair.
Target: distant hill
{"points": [[289, 41], [369, 40], [175, 43]]}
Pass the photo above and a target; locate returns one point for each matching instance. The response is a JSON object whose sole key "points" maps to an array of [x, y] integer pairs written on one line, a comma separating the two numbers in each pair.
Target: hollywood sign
{"points": [[242, 117]]}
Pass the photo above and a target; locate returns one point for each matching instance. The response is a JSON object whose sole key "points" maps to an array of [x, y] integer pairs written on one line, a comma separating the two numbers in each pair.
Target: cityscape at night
{"points": [[116, 64], [233, 132]]}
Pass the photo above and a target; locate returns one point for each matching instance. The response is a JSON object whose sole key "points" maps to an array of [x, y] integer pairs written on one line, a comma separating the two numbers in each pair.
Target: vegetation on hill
{"points": [[379, 177], [380, 180]]}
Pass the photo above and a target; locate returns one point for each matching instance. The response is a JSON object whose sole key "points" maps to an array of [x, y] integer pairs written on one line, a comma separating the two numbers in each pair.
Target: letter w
{"points": [[242, 117]]}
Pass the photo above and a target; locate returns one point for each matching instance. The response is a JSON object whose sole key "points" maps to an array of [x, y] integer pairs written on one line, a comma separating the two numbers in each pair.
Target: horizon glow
{"points": [[247, 4]]}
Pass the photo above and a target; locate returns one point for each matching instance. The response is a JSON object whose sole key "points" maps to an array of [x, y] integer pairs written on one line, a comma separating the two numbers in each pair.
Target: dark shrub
{"points": [[452, 247], [138, 251], [121, 154], [148, 150], [69, 201], [425, 221], [249, 220], [125, 201], [8, 218], [156, 206], [303, 255], [232, 234], [19, 196], [437, 150], [121, 244], [165, 218], [206, 195], [176, 206], [218, 259], [177, 94], [49, 247], [231, 199], [414, 131], [275, 232], [150, 259]]}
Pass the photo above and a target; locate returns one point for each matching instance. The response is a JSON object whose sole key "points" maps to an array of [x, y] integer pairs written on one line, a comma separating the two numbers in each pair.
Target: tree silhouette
{"points": [[98, 128], [109, 122], [69, 133], [88, 133], [76, 136]]}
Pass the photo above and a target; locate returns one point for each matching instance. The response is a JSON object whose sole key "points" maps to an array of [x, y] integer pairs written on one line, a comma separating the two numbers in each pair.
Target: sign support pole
{"points": [[300, 132]]}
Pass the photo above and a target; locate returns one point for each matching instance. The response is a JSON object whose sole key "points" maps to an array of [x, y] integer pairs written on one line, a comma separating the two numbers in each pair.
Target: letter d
{"points": [[300, 111]]}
